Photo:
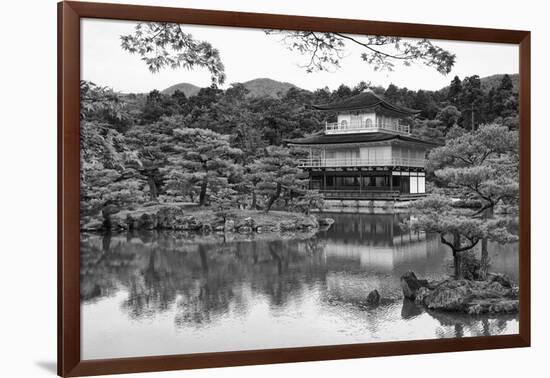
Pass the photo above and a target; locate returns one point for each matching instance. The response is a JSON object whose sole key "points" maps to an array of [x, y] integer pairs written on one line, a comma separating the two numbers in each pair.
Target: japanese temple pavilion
{"points": [[369, 153]]}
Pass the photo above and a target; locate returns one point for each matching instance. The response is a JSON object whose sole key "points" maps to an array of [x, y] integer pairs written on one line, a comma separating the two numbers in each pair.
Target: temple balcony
{"points": [[360, 126], [358, 163]]}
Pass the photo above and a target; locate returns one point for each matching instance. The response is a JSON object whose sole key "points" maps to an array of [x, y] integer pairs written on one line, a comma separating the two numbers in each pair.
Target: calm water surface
{"points": [[155, 293]]}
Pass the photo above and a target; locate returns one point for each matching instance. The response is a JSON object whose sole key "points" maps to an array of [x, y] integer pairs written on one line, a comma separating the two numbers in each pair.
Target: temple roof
{"points": [[320, 138], [367, 100]]}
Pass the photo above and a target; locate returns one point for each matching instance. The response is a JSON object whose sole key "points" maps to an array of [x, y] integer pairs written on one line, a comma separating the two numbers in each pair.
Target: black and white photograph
{"points": [[246, 189]]}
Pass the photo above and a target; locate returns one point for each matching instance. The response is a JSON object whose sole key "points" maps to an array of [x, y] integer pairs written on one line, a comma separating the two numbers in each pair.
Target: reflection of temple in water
{"points": [[378, 241]]}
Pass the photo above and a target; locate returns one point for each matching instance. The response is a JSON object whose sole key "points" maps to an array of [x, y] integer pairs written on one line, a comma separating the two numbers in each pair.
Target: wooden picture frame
{"points": [[69, 16]]}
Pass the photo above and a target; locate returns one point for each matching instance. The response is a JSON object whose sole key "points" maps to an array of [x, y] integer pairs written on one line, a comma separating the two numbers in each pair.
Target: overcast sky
{"points": [[249, 54]]}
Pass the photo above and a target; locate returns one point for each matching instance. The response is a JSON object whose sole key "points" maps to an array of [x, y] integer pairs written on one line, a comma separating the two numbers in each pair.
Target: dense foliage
{"points": [[227, 147]]}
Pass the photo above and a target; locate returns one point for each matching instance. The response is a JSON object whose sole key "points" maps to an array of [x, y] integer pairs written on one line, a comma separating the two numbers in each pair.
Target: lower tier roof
{"points": [[324, 139]]}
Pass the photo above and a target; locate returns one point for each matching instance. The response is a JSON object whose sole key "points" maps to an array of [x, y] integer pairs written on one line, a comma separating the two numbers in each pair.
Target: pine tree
{"points": [[203, 156], [109, 177], [455, 90], [449, 116], [154, 144], [392, 93], [278, 171], [470, 100], [480, 165]]}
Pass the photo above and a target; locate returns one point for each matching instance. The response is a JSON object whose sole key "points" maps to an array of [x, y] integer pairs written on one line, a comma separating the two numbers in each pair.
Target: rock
{"points": [[373, 299], [448, 297], [325, 221], [500, 278], [306, 223], [472, 297], [287, 225], [422, 293], [410, 309], [410, 285], [189, 223], [494, 306], [206, 227], [246, 223], [244, 229], [93, 225], [147, 222], [117, 222], [168, 218], [229, 225]]}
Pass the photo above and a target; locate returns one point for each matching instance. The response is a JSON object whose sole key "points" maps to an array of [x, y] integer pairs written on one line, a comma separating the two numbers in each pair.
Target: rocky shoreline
{"points": [[495, 295], [182, 218]]}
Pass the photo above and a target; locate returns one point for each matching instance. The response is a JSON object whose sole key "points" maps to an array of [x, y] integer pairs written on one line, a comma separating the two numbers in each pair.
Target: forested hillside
{"points": [[256, 88], [187, 88]]}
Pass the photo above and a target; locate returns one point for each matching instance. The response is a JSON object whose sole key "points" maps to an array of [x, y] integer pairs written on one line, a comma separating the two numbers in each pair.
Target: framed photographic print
{"points": [[240, 188]]}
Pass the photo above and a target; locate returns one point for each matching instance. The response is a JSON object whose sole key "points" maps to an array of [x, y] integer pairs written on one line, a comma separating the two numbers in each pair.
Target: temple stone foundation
{"points": [[341, 205]]}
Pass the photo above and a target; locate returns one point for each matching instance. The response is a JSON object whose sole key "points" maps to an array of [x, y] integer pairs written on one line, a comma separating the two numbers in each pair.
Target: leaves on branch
{"points": [[163, 45], [325, 51]]}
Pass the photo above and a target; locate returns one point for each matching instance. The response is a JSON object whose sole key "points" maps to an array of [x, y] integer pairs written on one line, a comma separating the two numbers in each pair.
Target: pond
{"points": [[156, 293]]}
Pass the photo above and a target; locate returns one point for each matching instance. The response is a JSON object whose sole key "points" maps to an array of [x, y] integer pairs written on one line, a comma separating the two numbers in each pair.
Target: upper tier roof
{"points": [[356, 138], [367, 101]]}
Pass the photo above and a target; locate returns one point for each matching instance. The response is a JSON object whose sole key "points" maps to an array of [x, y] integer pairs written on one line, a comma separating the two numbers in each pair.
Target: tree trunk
{"points": [[457, 260], [274, 197], [202, 195], [457, 257], [484, 262], [254, 200], [473, 127], [153, 190]]}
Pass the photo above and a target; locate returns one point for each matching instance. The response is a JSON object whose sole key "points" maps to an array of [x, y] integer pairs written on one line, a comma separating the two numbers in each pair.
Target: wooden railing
{"points": [[358, 162], [366, 194], [357, 193], [359, 125]]}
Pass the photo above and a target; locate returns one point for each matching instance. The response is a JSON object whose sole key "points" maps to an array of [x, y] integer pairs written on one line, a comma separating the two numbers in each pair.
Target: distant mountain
{"points": [[267, 88], [494, 80], [188, 89], [257, 88]]}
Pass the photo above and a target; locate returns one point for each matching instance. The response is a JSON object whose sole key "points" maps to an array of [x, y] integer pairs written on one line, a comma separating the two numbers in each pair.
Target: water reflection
{"points": [[157, 293]]}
